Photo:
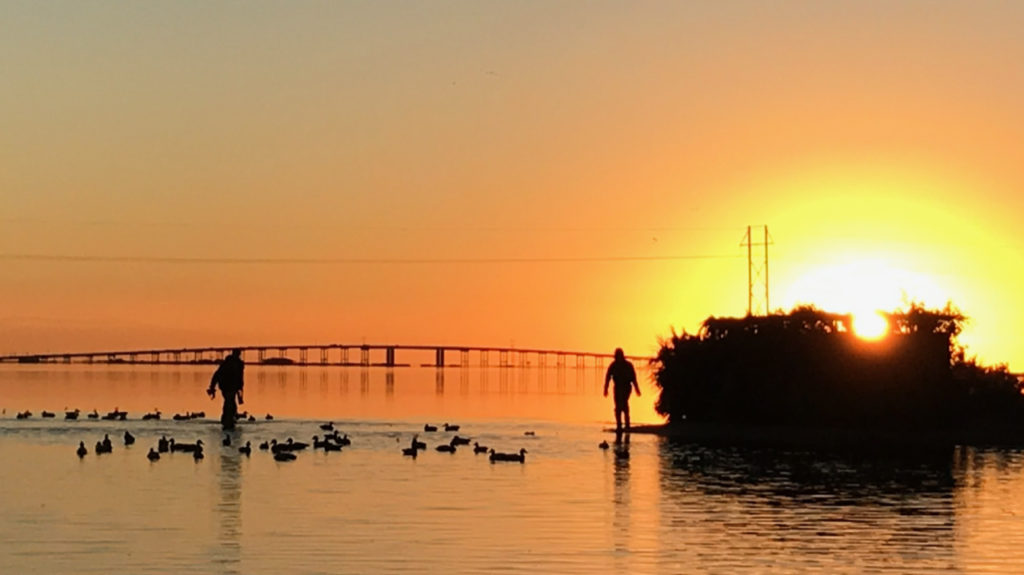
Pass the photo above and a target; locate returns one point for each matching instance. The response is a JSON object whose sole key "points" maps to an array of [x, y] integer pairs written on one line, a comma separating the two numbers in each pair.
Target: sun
{"points": [[864, 288], [871, 325]]}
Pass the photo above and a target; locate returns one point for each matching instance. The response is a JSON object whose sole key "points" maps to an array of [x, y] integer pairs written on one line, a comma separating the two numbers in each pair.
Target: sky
{"points": [[558, 175]]}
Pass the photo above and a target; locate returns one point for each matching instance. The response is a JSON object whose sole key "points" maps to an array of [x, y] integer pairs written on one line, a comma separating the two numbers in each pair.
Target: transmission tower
{"points": [[757, 269]]}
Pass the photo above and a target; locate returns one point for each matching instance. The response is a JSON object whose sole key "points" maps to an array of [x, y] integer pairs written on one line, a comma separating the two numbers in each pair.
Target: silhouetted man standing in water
{"points": [[621, 370], [229, 379]]}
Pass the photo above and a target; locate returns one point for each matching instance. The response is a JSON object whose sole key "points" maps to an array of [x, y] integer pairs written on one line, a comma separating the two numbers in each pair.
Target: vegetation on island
{"points": [[808, 368]]}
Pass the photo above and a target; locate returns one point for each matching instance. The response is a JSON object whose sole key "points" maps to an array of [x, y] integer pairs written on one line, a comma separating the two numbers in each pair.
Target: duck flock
{"points": [[284, 451]]}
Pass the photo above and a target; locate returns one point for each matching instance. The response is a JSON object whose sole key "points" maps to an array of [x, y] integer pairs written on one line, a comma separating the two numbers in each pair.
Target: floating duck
{"points": [[344, 440], [446, 448], [284, 456], [48, 414], [186, 447], [82, 451], [106, 441], [332, 447], [23, 415], [152, 455], [128, 438], [329, 426], [252, 419], [246, 449], [71, 415], [94, 415], [428, 428], [162, 445], [317, 444], [460, 440], [265, 445], [269, 417], [418, 444], [519, 457], [603, 445], [448, 427], [477, 448], [104, 447], [410, 451], [154, 415]]}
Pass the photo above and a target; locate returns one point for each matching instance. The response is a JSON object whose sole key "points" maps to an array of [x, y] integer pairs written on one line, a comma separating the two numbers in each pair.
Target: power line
{"points": [[180, 260]]}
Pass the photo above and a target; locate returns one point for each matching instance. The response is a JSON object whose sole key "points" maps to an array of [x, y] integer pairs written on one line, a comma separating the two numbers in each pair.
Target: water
{"points": [[571, 508]]}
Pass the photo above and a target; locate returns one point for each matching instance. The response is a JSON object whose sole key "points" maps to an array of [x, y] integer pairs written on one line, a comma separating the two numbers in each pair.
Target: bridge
{"points": [[375, 355]]}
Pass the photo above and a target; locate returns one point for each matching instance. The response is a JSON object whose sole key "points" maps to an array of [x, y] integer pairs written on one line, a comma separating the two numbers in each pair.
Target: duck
{"points": [[106, 441], [153, 415], [198, 454], [428, 428], [269, 417], [329, 426], [162, 445], [186, 447], [410, 451], [520, 457], [23, 414], [448, 427], [246, 449], [603, 445], [332, 447], [180, 417], [318, 444], [295, 445], [460, 440], [128, 438], [197, 415], [284, 456], [48, 414], [227, 441], [101, 448], [265, 445], [82, 450], [418, 444], [446, 448], [344, 440], [71, 415], [252, 419], [152, 455], [477, 448], [94, 415]]}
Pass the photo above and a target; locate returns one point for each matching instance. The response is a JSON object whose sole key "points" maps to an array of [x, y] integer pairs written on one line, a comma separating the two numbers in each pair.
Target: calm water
{"points": [[571, 508]]}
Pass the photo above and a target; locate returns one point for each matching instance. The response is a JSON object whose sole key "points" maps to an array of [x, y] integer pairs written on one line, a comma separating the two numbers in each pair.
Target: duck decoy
{"points": [[329, 426], [227, 441], [162, 445], [128, 438], [48, 414], [82, 451], [71, 415], [152, 455], [603, 445], [477, 448], [448, 427], [284, 456], [518, 457], [246, 449], [265, 445], [428, 428]]}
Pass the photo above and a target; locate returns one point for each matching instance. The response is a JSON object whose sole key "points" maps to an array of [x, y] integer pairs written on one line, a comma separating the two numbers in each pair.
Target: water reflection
{"points": [[784, 502], [228, 554]]}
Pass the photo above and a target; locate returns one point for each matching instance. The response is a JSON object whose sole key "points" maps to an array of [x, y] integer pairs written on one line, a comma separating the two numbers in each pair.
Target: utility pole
{"points": [[757, 270]]}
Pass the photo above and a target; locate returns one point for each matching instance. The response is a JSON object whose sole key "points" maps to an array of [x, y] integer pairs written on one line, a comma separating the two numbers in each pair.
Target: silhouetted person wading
{"points": [[229, 379], [621, 370]]}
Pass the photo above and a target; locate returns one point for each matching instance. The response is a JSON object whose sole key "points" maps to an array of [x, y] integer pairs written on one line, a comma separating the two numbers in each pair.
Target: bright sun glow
{"points": [[864, 288]]}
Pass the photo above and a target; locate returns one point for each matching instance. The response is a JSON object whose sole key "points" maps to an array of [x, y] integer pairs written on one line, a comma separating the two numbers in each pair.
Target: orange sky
{"points": [[879, 143]]}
